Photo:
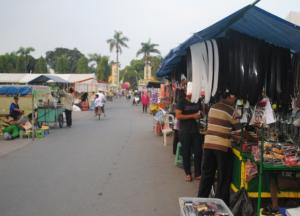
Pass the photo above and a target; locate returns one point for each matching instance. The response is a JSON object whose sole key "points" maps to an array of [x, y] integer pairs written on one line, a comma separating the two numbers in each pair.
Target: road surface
{"points": [[112, 167]]}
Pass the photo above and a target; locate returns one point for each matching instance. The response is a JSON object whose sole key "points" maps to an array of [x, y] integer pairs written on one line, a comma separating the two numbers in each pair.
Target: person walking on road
{"points": [[217, 148], [68, 101], [188, 114], [145, 101]]}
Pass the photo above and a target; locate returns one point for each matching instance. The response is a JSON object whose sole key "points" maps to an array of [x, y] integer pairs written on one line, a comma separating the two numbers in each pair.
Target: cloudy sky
{"points": [[87, 24]]}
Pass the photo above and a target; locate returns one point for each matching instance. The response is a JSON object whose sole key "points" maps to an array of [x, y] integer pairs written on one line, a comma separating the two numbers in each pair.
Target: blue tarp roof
{"points": [[15, 90], [250, 20]]}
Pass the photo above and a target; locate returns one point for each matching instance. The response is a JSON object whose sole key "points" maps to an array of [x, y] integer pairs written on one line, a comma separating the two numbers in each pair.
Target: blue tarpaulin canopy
{"points": [[250, 20], [15, 90]]}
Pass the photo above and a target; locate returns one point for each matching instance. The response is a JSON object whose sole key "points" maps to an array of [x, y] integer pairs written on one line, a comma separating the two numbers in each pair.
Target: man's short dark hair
{"points": [[16, 97]]}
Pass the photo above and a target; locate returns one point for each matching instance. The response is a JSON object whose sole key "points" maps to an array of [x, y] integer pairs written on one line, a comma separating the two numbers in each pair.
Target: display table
{"points": [[239, 177]]}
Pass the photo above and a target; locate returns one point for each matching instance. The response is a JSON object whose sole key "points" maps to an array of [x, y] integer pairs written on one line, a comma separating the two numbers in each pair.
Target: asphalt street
{"points": [[112, 167]]}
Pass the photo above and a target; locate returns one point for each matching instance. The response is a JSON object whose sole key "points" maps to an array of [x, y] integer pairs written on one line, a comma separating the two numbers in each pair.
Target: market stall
{"points": [[29, 98], [255, 55]]}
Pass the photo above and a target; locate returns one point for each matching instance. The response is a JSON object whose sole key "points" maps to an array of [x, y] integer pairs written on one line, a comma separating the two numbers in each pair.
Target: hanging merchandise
{"points": [[205, 69], [263, 113], [197, 70], [216, 68]]}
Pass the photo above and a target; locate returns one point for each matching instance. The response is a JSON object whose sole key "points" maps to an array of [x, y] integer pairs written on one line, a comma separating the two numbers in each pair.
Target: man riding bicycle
{"points": [[99, 103]]}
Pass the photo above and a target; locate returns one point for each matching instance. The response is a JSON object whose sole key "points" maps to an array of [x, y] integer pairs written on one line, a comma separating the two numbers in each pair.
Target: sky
{"points": [[87, 24]]}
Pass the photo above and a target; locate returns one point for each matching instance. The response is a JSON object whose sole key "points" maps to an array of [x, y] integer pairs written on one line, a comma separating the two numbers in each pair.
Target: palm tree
{"points": [[116, 43], [146, 49], [24, 52]]}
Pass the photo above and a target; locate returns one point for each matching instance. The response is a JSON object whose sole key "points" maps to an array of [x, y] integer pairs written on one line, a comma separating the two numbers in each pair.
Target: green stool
{"points": [[39, 133], [178, 157]]}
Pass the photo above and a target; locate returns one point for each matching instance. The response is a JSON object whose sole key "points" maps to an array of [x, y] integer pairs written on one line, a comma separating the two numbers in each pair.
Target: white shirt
{"points": [[100, 100]]}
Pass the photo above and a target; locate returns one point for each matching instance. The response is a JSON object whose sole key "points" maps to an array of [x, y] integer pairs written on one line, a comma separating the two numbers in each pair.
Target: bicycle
{"points": [[98, 112]]}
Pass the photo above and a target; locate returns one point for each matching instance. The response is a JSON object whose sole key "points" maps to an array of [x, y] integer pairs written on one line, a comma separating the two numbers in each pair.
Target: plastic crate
{"points": [[218, 202]]}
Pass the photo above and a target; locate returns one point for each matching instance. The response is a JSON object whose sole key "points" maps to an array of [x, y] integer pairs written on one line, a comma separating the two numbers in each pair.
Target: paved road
{"points": [[111, 167]]}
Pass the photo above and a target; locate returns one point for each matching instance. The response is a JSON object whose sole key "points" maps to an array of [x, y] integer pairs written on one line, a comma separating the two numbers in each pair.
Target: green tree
{"points": [[72, 56], [146, 50], [21, 64], [103, 69], [26, 59], [40, 65], [133, 72], [82, 65], [62, 64], [8, 63], [93, 61], [155, 63], [116, 43]]}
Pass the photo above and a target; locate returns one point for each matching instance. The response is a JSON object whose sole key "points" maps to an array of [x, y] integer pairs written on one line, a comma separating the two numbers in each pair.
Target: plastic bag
{"points": [[240, 204]]}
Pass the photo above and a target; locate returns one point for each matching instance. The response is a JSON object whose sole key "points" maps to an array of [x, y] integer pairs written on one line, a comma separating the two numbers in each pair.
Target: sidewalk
{"points": [[8, 146]]}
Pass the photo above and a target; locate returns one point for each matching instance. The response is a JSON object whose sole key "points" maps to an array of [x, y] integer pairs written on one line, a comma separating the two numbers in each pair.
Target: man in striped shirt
{"points": [[217, 148]]}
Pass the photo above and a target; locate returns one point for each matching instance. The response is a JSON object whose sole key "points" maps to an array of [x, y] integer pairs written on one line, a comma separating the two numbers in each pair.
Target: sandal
{"points": [[188, 178]]}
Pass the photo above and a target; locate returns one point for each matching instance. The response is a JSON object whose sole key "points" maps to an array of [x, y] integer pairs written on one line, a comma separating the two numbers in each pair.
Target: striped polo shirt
{"points": [[220, 125]]}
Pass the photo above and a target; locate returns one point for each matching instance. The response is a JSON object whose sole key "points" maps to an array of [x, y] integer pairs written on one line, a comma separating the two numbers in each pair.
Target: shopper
{"points": [[68, 101], [145, 101], [14, 110], [217, 148], [188, 114]]}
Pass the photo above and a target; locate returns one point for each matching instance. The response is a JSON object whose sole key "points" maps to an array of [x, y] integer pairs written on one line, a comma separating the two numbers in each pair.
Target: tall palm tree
{"points": [[116, 43], [24, 52], [146, 49]]}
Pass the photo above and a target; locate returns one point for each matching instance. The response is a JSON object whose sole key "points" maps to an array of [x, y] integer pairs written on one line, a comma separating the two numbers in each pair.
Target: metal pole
{"points": [[260, 171], [33, 116]]}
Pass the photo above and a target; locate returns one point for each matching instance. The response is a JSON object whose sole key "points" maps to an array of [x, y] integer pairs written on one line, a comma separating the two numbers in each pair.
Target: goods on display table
{"points": [[203, 207]]}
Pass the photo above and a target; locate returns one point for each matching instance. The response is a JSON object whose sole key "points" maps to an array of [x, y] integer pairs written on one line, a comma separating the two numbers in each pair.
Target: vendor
{"points": [[14, 110], [217, 148], [188, 113]]}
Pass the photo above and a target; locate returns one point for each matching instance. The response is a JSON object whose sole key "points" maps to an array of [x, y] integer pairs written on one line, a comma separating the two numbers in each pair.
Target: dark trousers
{"points": [[215, 160], [191, 143], [145, 108], [68, 117], [175, 141]]}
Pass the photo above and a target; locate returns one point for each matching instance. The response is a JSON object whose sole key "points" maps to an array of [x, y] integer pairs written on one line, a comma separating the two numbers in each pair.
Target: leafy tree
{"points": [[133, 72], [21, 64], [146, 49], [82, 65], [72, 56], [103, 69], [40, 65], [94, 59], [155, 63], [62, 64], [8, 63], [25, 59], [116, 43]]}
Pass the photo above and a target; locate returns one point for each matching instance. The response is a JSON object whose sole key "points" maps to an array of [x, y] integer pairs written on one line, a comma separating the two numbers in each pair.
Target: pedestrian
{"points": [[145, 101], [217, 148], [68, 101], [188, 114]]}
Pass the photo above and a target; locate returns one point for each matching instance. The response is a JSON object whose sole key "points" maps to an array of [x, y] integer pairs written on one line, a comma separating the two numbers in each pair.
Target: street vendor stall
{"points": [[255, 55], [29, 98]]}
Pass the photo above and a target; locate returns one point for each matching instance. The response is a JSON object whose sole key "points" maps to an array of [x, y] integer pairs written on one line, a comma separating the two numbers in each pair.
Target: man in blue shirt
{"points": [[14, 109]]}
